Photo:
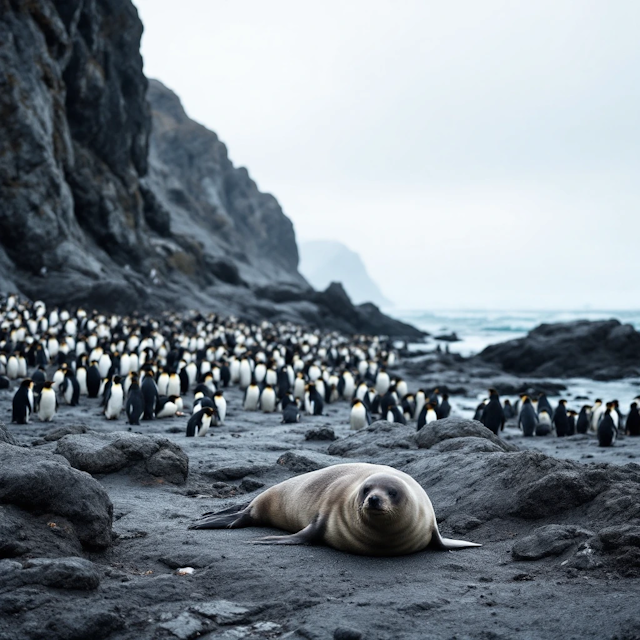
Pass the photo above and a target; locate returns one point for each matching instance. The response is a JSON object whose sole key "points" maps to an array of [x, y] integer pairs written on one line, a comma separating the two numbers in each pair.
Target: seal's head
{"points": [[381, 495]]}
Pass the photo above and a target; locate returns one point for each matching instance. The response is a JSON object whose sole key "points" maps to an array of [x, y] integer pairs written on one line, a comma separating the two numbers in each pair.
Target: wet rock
{"points": [[344, 633], [551, 540], [184, 626], [619, 536], [249, 485], [99, 453], [377, 438], [603, 350], [470, 445], [5, 435], [236, 472], [39, 483], [60, 432], [59, 573], [455, 427], [300, 462], [222, 611], [185, 559], [320, 433]]}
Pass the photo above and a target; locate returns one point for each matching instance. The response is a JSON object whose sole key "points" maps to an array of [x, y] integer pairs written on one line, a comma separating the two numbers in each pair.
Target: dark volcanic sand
{"points": [[299, 591]]}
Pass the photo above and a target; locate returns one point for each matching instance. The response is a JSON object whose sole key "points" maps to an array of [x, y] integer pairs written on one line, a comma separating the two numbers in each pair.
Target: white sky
{"points": [[476, 154]]}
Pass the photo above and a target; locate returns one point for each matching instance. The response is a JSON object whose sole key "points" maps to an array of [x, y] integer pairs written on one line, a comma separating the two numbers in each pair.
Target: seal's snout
{"points": [[374, 502]]}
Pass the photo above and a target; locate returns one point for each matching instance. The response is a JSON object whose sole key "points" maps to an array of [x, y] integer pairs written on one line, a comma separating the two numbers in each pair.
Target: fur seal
{"points": [[360, 508]]}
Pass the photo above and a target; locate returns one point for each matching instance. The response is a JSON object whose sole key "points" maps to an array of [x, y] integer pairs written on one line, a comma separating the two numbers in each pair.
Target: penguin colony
{"points": [[142, 368], [536, 417]]}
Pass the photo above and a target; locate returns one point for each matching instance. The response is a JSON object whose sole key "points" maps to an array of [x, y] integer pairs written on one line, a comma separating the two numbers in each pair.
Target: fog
{"points": [[475, 154]]}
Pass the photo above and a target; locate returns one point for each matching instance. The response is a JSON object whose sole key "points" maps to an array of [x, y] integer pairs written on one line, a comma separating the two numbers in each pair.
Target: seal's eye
{"points": [[392, 493], [365, 490]]}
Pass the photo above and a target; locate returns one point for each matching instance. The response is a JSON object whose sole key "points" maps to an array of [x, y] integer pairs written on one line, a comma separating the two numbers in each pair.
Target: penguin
{"points": [[571, 422], [584, 419], [543, 428], [114, 400], [134, 406], [544, 404], [47, 403], [561, 420], [408, 406], [163, 383], [260, 372], [150, 394], [81, 377], [314, 373], [23, 404], [200, 422], [508, 410], [528, 418], [313, 402], [421, 400], [395, 414], [39, 377], [245, 374], [221, 405], [434, 397], [444, 408], [346, 385], [389, 398], [493, 415], [427, 415], [401, 388], [268, 400], [607, 432], [202, 401], [291, 413], [204, 390], [70, 389], [383, 382], [359, 417], [596, 414], [299, 386], [5, 383], [479, 409], [632, 426], [167, 406], [251, 398], [12, 368], [94, 380]]}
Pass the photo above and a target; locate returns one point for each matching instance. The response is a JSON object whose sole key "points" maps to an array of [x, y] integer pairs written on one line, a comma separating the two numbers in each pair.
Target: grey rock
{"points": [[60, 432], [100, 453], [467, 444], [550, 540], [42, 483], [184, 626], [625, 535], [379, 437], [300, 462], [343, 633], [58, 573], [456, 427], [235, 472], [320, 433], [5, 435], [222, 611]]}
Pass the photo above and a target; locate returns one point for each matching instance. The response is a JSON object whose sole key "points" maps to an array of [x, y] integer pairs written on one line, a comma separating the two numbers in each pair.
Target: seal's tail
{"points": [[448, 544], [232, 518]]}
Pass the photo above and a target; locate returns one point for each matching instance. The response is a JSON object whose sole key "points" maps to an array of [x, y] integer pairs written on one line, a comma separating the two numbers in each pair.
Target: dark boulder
{"points": [[456, 427], [374, 440], [44, 488], [602, 350], [140, 455], [59, 573], [551, 540]]}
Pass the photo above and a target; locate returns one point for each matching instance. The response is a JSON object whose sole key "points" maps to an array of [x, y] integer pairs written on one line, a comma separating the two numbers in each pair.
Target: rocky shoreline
{"points": [[546, 525]]}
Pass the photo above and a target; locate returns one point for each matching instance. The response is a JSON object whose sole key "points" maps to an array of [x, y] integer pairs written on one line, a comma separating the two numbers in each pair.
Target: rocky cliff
{"points": [[111, 197]]}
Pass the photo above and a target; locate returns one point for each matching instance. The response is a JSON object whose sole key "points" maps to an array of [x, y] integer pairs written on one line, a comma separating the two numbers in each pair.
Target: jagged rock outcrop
{"points": [[603, 350], [111, 197]]}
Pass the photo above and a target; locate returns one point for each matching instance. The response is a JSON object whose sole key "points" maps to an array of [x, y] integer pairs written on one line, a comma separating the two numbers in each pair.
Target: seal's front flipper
{"points": [[232, 518], [310, 534]]}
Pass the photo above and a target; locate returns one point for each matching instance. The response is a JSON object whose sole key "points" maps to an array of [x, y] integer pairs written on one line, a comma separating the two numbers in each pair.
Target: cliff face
{"points": [[111, 197], [74, 127], [212, 204]]}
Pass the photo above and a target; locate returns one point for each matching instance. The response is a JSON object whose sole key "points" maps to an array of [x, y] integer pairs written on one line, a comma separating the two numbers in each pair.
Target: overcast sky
{"points": [[476, 154]]}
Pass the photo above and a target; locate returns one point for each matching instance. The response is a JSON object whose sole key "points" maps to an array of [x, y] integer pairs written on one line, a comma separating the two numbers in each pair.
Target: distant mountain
{"points": [[326, 261]]}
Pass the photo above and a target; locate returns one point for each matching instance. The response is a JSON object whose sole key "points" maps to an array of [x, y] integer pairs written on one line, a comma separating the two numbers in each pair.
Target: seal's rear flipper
{"points": [[310, 534], [447, 544], [231, 518]]}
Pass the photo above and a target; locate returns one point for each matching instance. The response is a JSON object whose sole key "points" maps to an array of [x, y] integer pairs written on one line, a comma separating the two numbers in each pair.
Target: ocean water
{"points": [[480, 328]]}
